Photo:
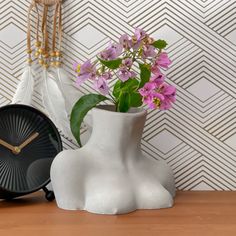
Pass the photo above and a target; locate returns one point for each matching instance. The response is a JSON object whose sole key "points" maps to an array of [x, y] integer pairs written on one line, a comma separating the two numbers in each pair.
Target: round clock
{"points": [[29, 141]]}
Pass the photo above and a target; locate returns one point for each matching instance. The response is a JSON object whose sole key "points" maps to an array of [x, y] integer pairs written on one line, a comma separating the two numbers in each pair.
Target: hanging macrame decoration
{"points": [[58, 92], [25, 88]]}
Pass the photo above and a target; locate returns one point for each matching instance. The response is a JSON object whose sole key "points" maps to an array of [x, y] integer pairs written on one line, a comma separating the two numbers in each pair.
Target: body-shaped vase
{"points": [[110, 175]]}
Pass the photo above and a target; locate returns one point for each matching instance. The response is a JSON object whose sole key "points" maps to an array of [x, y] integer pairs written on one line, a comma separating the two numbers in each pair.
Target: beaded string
{"points": [[29, 49], [56, 55], [45, 47], [42, 48]]}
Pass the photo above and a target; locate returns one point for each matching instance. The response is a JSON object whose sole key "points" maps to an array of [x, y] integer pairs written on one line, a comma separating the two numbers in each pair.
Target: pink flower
{"points": [[111, 52], [147, 89], [151, 97], [169, 92], [157, 94], [128, 62], [158, 79], [124, 74], [125, 41], [87, 71], [155, 69], [101, 84], [148, 51], [154, 100], [163, 60]]}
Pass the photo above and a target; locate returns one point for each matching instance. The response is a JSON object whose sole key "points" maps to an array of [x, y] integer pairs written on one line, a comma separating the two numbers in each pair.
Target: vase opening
{"points": [[111, 108]]}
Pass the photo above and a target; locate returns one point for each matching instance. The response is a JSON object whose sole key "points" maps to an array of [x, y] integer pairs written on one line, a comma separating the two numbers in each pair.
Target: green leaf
{"points": [[127, 86], [79, 111], [135, 100], [160, 44], [130, 85], [124, 102], [117, 88], [112, 64], [145, 74]]}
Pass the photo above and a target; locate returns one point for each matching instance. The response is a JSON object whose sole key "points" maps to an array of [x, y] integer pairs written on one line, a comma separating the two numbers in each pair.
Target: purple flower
{"points": [[106, 75], [148, 51], [128, 62], [139, 34], [111, 52], [158, 79], [125, 41], [76, 67], [163, 60], [118, 48], [169, 92], [101, 85], [87, 71], [124, 74], [108, 54]]}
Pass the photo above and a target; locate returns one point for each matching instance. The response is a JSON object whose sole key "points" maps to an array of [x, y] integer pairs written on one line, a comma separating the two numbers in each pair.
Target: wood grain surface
{"points": [[194, 213]]}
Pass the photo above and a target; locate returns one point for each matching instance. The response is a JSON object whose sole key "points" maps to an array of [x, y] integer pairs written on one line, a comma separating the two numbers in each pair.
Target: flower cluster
{"points": [[156, 93], [119, 60]]}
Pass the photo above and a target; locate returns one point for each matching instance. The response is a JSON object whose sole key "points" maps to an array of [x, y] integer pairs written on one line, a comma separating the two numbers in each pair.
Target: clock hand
{"points": [[7, 145], [28, 140]]}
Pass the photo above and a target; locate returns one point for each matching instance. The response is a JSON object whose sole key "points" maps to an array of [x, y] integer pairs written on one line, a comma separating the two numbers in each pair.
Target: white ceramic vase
{"points": [[110, 175]]}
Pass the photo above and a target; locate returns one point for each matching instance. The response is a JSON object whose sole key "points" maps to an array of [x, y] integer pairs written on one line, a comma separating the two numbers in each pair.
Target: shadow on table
{"points": [[26, 200]]}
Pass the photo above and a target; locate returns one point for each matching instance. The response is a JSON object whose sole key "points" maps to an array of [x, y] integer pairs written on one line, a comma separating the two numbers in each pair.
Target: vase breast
{"points": [[110, 174]]}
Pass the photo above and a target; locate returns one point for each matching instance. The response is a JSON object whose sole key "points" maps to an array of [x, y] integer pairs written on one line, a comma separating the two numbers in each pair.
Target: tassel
{"points": [[52, 97], [25, 88], [69, 92]]}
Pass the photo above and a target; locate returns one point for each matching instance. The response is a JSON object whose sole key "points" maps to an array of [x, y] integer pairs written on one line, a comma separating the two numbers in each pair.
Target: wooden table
{"points": [[194, 214]]}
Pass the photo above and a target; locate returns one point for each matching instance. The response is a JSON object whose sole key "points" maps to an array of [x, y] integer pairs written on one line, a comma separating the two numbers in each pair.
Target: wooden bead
{"points": [[37, 44], [29, 51], [40, 50], [53, 63], [57, 63], [53, 54], [36, 54], [41, 62], [58, 53], [29, 60], [45, 65], [46, 55]]}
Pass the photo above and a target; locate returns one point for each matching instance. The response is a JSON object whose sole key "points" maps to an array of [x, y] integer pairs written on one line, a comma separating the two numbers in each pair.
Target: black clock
{"points": [[29, 141]]}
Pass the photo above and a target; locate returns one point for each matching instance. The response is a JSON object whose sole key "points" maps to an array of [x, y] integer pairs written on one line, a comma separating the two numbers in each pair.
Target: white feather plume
{"points": [[54, 103], [24, 91], [70, 93]]}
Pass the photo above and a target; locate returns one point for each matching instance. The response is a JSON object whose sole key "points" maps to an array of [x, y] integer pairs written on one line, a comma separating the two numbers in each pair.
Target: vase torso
{"points": [[110, 174]]}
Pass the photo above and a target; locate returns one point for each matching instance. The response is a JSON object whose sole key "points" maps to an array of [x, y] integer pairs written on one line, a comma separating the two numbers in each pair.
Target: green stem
{"points": [[112, 98]]}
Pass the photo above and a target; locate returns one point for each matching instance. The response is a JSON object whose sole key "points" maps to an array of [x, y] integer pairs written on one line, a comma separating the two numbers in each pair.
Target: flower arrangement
{"points": [[121, 60]]}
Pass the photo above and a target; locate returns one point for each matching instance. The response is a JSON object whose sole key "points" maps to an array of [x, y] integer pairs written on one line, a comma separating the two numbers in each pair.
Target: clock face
{"points": [[29, 141]]}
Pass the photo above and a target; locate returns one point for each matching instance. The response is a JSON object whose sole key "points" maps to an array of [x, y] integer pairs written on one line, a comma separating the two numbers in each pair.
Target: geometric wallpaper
{"points": [[197, 138]]}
